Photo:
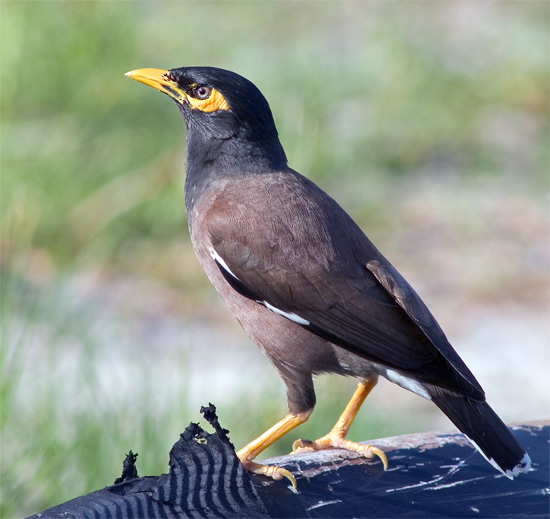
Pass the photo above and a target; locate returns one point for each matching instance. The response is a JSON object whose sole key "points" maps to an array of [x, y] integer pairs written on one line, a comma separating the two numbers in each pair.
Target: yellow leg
{"points": [[336, 438], [255, 447]]}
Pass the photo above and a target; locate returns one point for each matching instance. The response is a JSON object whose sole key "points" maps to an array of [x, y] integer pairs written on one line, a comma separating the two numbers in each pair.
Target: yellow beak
{"points": [[159, 79]]}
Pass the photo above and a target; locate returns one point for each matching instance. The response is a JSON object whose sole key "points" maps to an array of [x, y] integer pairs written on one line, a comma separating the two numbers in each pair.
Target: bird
{"points": [[304, 281]]}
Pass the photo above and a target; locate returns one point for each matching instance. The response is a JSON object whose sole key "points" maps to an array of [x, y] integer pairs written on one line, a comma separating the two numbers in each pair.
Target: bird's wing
{"points": [[310, 262]]}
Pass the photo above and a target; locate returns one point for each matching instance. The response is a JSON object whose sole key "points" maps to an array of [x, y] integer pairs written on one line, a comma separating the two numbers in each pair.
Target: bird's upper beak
{"points": [[159, 79]]}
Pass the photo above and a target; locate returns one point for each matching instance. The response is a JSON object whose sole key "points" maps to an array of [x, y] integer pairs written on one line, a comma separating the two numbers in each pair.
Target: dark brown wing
{"points": [[290, 247]]}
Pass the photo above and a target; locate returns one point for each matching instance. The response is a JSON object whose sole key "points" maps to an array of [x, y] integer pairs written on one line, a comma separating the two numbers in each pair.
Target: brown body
{"points": [[293, 246], [295, 352]]}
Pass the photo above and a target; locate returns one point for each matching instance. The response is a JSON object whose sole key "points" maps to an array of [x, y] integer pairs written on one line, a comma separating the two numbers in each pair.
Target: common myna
{"points": [[304, 281]]}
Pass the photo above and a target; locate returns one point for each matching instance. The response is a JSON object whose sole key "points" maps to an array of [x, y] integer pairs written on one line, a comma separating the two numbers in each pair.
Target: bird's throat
{"points": [[209, 160]]}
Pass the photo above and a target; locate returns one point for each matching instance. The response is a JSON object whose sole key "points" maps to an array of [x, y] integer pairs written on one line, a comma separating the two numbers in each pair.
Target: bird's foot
{"points": [[271, 471], [255, 447], [336, 440]]}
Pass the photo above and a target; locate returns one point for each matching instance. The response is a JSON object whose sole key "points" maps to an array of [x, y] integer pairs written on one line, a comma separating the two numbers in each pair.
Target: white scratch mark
{"points": [[456, 483], [452, 470], [323, 503]]}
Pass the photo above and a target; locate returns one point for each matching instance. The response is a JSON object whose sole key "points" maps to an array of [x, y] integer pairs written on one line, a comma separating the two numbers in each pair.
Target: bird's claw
{"points": [[334, 441], [271, 471]]}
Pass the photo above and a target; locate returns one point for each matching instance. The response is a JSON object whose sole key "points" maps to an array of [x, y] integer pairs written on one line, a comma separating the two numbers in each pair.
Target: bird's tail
{"points": [[486, 431]]}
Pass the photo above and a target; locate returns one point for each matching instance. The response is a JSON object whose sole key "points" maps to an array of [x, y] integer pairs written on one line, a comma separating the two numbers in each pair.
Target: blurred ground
{"points": [[427, 121]]}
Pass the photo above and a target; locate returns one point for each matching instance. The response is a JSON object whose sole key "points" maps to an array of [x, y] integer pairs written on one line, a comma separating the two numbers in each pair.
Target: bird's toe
{"points": [[271, 471], [335, 441]]}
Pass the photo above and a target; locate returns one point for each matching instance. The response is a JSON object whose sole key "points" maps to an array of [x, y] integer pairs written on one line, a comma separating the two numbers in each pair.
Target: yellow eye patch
{"points": [[215, 101]]}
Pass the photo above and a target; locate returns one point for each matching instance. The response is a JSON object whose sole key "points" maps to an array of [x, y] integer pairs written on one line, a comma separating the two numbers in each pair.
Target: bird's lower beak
{"points": [[159, 79]]}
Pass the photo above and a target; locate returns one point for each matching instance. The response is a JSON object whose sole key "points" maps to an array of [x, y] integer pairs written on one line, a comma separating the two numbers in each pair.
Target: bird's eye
{"points": [[204, 98], [200, 91]]}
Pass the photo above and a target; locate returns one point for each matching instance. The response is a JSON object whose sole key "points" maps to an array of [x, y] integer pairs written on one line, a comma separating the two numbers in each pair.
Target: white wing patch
{"points": [[406, 383], [218, 259], [289, 315]]}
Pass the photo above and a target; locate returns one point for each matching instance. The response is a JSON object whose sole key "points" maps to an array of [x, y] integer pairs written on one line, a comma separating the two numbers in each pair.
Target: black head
{"points": [[217, 103]]}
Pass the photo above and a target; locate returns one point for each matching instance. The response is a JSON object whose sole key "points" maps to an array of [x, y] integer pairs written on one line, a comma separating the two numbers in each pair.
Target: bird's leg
{"points": [[336, 438], [255, 447]]}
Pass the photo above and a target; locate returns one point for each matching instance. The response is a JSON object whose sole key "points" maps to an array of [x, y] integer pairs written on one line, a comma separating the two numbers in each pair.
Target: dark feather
{"points": [[324, 269], [486, 430]]}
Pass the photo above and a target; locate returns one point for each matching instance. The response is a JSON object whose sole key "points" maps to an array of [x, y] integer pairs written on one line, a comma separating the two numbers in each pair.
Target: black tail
{"points": [[486, 431]]}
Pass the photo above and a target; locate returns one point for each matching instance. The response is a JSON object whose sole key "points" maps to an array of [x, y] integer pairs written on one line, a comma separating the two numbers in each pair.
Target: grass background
{"points": [[427, 120]]}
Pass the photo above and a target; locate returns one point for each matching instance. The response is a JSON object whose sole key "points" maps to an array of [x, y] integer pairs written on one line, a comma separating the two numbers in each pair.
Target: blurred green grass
{"points": [[371, 99]]}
